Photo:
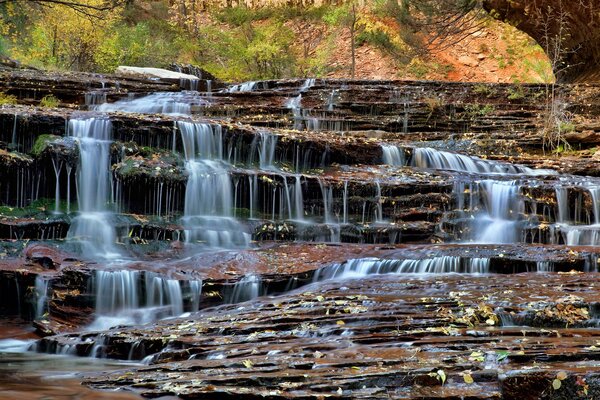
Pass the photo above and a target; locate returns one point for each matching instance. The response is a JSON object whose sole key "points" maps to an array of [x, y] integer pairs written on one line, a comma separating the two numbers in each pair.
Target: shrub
{"points": [[49, 101], [7, 99]]}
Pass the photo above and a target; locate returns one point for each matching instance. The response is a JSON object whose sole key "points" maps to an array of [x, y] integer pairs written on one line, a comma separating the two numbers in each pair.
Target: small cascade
{"points": [[331, 99], [243, 87], [358, 268], [247, 288], [498, 224], [128, 297], [41, 295], [574, 222], [162, 292], [116, 291], [393, 155], [208, 210], [178, 103], [295, 105], [266, 150], [95, 98], [562, 204], [189, 84], [298, 199], [93, 228], [435, 159]]}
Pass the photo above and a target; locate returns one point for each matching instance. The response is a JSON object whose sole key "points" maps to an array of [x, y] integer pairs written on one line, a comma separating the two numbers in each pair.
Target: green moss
{"points": [[6, 99], [40, 208], [41, 143], [49, 101]]}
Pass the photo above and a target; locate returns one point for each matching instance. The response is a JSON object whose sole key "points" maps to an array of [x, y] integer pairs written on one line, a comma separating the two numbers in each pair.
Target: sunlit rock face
{"points": [[577, 22]]}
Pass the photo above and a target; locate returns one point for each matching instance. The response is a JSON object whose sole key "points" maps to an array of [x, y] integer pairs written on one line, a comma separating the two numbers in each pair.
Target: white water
{"points": [[127, 297], [247, 288], [265, 145], [41, 295], [295, 105], [357, 268], [498, 224], [93, 227], [393, 155], [176, 103], [426, 157], [243, 87], [208, 210]]}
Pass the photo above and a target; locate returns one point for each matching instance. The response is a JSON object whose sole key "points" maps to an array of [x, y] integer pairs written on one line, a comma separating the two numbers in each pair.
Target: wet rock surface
{"points": [[305, 238], [379, 337]]}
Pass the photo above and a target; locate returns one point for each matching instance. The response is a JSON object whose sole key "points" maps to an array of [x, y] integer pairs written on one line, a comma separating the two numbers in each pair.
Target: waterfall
{"points": [[243, 87], [357, 268], [266, 146], [128, 297], [41, 295], [295, 105], [498, 224], [298, 199], [177, 103], [95, 98], [247, 288], [435, 159], [208, 209], [393, 155], [93, 227]]}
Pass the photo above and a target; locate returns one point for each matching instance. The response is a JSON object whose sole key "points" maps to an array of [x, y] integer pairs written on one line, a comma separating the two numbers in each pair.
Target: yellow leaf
{"points": [[556, 384], [442, 376], [562, 375], [340, 322], [468, 378], [248, 363]]}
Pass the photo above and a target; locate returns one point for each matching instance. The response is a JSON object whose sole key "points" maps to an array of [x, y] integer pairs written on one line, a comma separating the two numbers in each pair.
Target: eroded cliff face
{"points": [[569, 31]]}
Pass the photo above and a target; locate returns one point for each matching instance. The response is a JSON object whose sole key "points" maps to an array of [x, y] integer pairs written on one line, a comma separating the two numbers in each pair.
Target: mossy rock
{"points": [[42, 143], [14, 158]]}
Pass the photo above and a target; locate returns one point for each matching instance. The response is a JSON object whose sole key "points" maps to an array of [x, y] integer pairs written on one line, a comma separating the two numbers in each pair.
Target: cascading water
{"points": [[265, 145], [295, 105], [132, 297], [41, 294], [393, 155], [498, 224], [243, 87], [208, 210], [93, 227], [178, 103], [358, 268], [247, 288], [443, 160]]}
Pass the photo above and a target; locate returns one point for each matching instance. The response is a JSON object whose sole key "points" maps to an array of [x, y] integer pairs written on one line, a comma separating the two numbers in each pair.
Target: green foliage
{"points": [[248, 52], [516, 92], [49, 101], [337, 15], [241, 15], [566, 127], [3, 47], [41, 143], [478, 110], [483, 89], [6, 99], [140, 45], [40, 207]]}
